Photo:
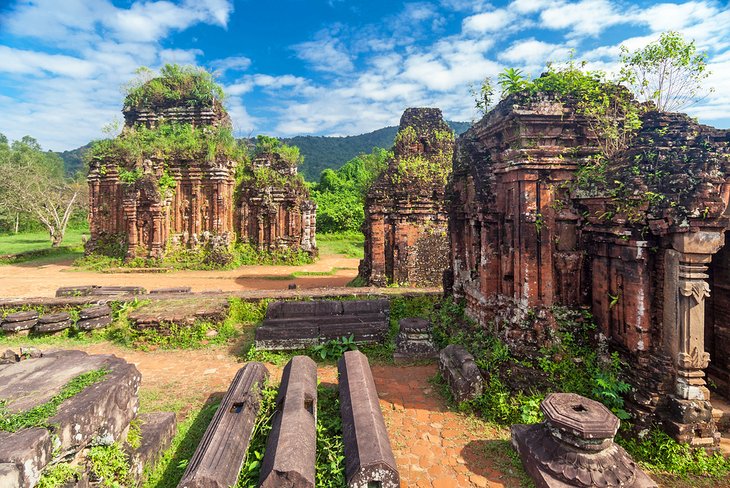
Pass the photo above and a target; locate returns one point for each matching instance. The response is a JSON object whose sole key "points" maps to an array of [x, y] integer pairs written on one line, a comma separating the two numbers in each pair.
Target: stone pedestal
{"points": [[574, 447], [414, 340]]}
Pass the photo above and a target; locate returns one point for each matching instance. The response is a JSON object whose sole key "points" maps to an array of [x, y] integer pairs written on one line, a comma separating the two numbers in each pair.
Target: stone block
{"points": [[220, 455], [366, 306], [95, 323], [175, 289], [157, 431], [414, 340], [20, 316], [295, 335], [52, 327], [119, 290], [9, 357], [29, 451], [369, 459], [19, 326], [461, 373], [95, 312], [292, 444], [75, 291]]}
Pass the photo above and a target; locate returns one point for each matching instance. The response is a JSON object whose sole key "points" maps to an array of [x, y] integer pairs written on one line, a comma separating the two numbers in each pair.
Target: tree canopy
{"points": [[175, 85]]}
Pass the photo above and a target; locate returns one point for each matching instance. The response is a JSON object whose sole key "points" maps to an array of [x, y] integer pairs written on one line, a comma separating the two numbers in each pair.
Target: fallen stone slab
{"points": [[461, 373], [52, 326], [119, 290], [294, 335], [75, 291], [20, 316], [369, 459], [574, 447], [157, 430], [220, 455], [102, 411], [94, 312], [175, 289], [291, 449], [366, 306], [95, 323], [19, 326], [24, 454]]}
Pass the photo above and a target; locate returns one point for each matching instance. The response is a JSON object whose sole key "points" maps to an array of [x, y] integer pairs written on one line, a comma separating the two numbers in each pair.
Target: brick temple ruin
{"points": [[645, 253], [406, 216], [145, 217]]}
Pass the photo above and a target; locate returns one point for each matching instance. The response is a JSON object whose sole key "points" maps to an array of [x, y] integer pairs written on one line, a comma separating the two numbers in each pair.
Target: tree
{"points": [[483, 97], [32, 182], [668, 72]]}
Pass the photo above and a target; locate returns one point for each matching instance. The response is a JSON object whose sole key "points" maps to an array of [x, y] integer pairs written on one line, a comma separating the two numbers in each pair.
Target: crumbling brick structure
{"points": [[531, 228], [275, 212], [143, 202], [405, 211]]}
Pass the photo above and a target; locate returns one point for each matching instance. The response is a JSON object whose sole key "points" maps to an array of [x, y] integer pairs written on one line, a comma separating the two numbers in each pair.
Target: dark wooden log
{"points": [[291, 449], [220, 455], [369, 459]]}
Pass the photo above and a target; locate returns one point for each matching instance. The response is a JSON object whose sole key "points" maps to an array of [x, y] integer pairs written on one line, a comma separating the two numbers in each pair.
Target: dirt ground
{"points": [[32, 280]]}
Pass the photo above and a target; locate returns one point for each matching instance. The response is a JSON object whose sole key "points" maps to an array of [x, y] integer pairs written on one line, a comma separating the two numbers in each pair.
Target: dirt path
{"points": [[434, 447], [37, 281]]}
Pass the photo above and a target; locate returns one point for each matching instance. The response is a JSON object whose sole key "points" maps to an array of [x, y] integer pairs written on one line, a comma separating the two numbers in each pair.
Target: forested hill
{"points": [[320, 152]]}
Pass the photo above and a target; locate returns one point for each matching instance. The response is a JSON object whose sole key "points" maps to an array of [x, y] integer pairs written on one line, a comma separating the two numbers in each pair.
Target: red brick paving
{"points": [[433, 447]]}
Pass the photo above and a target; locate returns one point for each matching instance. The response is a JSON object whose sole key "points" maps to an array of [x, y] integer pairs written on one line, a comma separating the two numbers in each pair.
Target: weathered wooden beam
{"points": [[220, 455], [291, 449], [369, 460]]}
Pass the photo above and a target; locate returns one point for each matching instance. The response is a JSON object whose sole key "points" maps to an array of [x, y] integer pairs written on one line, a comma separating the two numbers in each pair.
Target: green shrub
{"points": [[176, 84], [110, 465]]}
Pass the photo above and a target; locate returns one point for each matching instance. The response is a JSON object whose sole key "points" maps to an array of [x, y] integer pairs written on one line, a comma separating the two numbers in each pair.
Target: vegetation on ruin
{"points": [[166, 142], [175, 85], [668, 72], [109, 464], [38, 416], [340, 195], [58, 475], [515, 386], [35, 192]]}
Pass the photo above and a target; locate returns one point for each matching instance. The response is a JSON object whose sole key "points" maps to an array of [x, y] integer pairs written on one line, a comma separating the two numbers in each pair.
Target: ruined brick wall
{"points": [[513, 230], [276, 214], [144, 215], [405, 214], [633, 245]]}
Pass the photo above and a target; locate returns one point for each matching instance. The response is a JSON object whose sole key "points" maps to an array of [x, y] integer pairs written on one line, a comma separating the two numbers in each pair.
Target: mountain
{"points": [[320, 152]]}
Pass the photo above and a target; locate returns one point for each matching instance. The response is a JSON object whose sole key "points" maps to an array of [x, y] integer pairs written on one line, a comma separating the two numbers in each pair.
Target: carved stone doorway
{"points": [[717, 321]]}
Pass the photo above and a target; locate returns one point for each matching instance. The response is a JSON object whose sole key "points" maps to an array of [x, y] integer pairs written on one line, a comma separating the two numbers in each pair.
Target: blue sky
{"points": [[322, 67]]}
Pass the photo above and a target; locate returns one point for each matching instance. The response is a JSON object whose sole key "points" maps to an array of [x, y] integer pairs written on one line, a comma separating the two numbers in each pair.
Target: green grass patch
{"points": [[172, 464], [58, 475], [38, 241], [110, 465], [348, 244], [330, 463], [38, 416]]}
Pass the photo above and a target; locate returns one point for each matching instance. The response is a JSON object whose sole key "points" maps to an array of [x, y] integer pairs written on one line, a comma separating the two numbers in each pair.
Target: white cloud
{"points": [[587, 17], [30, 62], [326, 53], [488, 21], [534, 52], [231, 63]]}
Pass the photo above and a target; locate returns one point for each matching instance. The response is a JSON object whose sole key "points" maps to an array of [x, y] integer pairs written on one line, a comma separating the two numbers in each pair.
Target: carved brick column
{"points": [[686, 289]]}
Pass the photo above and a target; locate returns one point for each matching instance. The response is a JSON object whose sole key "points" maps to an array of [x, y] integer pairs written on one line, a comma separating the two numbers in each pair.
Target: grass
{"points": [[36, 247], [348, 244]]}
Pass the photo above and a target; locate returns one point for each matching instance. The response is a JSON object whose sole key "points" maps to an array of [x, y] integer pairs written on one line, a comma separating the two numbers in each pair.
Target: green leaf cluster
{"points": [[110, 466], [175, 85], [335, 348]]}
